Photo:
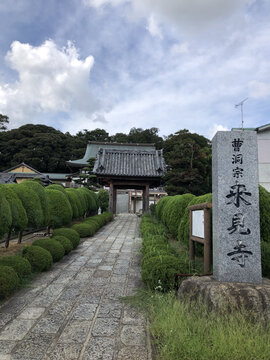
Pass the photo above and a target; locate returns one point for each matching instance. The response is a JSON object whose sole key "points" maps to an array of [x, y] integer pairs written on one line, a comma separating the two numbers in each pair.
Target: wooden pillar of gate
{"points": [[112, 199], [146, 199]]}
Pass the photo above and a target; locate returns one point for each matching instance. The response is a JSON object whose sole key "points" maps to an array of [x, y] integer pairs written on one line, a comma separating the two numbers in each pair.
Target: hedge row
{"points": [[160, 261], [41, 254], [172, 211], [30, 205]]}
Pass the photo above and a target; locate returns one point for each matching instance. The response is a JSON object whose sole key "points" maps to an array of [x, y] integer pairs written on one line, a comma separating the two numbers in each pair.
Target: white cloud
{"points": [[153, 27], [259, 89], [215, 128], [49, 80]]}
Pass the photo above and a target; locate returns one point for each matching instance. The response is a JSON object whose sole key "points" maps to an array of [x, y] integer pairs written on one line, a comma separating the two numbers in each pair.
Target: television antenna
{"points": [[241, 104]]}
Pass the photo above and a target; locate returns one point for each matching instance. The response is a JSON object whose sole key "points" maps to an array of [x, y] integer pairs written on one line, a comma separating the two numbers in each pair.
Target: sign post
{"points": [[236, 222]]}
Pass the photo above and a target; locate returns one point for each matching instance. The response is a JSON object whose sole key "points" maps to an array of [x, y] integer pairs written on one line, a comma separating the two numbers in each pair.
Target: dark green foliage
{"points": [[158, 271], [73, 202], [5, 214], [39, 258], [83, 201], [19, 264], [3, 121], [9, 281], [264, 214], [40, 191], [85, 229], [65, 242], [54, 247], [183, 229], [108, 216], [57, 187], [160, 261], [162, 202], [153, 209], [19, 217], [265, 248], [188, 157], [91, 201], [103, 200], [31, 204], [71, 234], [60, 208], [174, 213], [92, 222], [77, 200]]}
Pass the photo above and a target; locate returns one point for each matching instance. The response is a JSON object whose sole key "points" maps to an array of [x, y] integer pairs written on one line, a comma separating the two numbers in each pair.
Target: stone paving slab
{"points": [[74, 312]]}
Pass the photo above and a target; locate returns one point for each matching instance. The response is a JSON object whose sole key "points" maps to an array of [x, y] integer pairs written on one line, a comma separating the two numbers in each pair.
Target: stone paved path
{"points": [[73, 311]]}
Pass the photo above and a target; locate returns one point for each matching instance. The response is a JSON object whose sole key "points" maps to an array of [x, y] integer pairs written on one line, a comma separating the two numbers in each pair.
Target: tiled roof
{"points": [[93, 148], [130, 163], [7, 178]]}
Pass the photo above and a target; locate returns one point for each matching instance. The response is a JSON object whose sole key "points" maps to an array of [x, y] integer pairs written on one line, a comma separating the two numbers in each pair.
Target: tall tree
{"points": [[188, 157], [3, 121]]}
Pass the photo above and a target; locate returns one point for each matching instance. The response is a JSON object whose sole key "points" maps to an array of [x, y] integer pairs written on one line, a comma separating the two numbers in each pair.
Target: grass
{"points": [[184, 331]]}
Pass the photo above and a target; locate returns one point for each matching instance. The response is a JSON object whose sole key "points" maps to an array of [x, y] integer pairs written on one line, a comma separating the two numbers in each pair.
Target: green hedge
{"points": [[60, 208], [84, 229], [71, 234], [9, 281], [19, 264], [103, 200], [160, 261], [40, 191], [162, 202], [65, 242], [54, 247], [31, 204], [39, 258], [74, 202], [5, 214]]}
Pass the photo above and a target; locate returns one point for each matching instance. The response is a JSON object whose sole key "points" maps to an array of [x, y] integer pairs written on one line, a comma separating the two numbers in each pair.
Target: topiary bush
{"points": [[77, 200], [5, 213], [39, 258], [31, 204], [71, 234], [73, 202], [9, 281], [264, 196], [91, 200], [40, 191], [60, 208], [160, 206], [174, 210], [65, 242], [54, 247], [84, 229], [18, 214], [19, 264], [158, 271], [93, 222]]}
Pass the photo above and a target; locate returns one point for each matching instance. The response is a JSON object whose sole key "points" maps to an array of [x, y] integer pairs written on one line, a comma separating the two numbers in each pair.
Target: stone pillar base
{"points": [[231, 295]]}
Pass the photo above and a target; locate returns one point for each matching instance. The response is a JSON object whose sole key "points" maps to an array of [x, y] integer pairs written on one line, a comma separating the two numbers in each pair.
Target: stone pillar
{"points": [[146, 199], [236, 222]]}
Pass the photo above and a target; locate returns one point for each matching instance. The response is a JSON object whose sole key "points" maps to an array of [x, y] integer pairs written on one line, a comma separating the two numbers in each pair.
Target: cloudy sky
{"points": [[116, 64]]}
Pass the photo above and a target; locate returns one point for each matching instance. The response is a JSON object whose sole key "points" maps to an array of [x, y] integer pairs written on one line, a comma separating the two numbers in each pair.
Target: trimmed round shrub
{"points": [[18, 213], [9, 281], [65, 242], [54, 247], [56, 187], [158, 272], [174, 210], [92, 201], [19, 264], [93, 223], [73, 202], [31, 204], [108, 216], [40, 191], [60, 208], [84, 229], [83, 199], [71, 234], [160, 206], [5, 213], [77, 200], [39, 258]]}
